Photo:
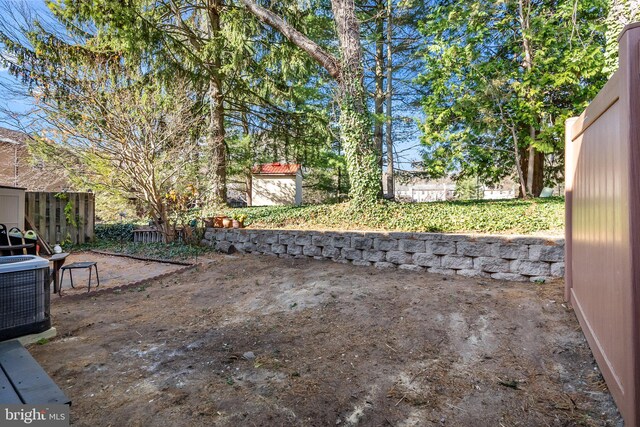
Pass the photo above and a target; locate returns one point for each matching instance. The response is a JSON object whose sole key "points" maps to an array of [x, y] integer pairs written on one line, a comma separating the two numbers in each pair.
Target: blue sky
{"points": [[8, 100], [19, 105]]}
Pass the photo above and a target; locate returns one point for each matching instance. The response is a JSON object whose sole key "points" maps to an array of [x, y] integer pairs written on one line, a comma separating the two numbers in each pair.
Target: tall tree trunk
{"points": [[355, 122], [156, 206], [531, 163], [217, 168], [538, 174], [535, 184], [524, 166], [248, 177], [207, 21], [378, 98], [389, 135], [524, 7], [516, 153], [519, 163]]}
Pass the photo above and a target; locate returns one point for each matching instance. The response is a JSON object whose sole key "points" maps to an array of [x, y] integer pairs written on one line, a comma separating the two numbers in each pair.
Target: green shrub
{"points": [[115, 231]]}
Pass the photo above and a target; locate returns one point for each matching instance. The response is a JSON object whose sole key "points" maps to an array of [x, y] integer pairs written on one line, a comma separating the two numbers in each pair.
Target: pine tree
{"points": [[232, 64]]}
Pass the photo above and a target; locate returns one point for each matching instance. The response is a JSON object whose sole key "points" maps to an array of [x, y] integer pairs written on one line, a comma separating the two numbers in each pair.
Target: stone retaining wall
{"points": [[518, 258]]}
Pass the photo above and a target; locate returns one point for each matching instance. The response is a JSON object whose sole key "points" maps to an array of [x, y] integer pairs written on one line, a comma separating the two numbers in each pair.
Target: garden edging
{"points": [[518, 258]]}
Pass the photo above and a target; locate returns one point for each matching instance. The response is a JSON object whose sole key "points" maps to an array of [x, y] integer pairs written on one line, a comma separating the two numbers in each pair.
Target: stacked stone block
{"points": [[519, 258]]}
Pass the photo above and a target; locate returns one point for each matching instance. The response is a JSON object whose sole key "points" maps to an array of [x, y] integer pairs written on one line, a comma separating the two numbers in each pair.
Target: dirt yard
{"points": [[260, 341], [113, 271]]}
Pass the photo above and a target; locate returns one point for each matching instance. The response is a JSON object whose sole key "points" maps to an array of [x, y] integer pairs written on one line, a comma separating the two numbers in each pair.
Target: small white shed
{"points": [[12, 207], [276, 184]]}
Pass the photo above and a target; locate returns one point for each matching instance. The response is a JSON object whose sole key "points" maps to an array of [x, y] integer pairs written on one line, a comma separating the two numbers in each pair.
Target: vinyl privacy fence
{"points": [[603, 226]]}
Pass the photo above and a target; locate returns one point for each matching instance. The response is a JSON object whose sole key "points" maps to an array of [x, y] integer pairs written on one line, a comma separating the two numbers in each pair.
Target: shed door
{"points": [[12, 208]]}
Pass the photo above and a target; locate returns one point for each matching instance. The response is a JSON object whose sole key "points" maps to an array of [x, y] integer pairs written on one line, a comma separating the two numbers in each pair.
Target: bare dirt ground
{"points": [[331, 345], [114, 271]]}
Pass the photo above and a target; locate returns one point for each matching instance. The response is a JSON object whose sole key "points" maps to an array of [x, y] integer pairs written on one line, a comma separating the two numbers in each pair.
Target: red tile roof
{"points": [[276, 169]]}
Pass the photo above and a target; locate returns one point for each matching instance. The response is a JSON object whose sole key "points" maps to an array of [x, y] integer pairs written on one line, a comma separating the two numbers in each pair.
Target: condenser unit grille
{"points": [[24, 302]]}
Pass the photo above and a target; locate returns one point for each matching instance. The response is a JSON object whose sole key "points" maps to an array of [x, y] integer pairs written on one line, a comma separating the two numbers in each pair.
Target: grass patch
{"points": [[476, 216]]}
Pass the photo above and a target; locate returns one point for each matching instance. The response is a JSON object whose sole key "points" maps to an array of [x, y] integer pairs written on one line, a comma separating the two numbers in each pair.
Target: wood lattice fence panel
{"points": [[61, 217]]}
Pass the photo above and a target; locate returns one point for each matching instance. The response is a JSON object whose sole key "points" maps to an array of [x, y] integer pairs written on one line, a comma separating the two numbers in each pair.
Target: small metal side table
{"points": [[71, 267], [58, 261]]}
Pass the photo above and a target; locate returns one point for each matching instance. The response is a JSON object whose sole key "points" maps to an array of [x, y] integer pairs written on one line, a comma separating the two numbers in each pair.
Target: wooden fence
{"points": [[602, 280], [61, 217]]}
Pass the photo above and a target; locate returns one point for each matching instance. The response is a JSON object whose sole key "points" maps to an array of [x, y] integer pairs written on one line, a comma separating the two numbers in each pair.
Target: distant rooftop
{"points": [[276, 169], [12, 136]]}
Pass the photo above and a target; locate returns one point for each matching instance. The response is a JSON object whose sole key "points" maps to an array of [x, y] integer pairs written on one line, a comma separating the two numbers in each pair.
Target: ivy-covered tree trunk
{"points": [[355, 121], [378, 98], [391, 192]]}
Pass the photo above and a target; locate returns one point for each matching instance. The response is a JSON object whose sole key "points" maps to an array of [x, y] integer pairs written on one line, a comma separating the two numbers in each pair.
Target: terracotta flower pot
{"points": [[227, 222], [236, 224], [217, 221]]}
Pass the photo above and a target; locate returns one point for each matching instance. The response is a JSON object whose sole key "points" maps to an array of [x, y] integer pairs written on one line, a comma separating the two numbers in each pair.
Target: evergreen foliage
{"points": [[485, 107]]}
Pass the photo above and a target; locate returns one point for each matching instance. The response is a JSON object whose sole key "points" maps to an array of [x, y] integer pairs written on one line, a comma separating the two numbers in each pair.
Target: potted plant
{"points": [[238, 220]]}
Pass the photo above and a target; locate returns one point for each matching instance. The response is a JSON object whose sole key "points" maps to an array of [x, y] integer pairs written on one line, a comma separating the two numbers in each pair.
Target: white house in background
{"points": [[499, 193], [276, 184], [416, 189]]}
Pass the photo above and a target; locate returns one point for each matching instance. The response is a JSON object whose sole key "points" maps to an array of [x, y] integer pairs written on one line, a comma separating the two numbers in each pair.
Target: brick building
{"points": [[18, 168]]}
